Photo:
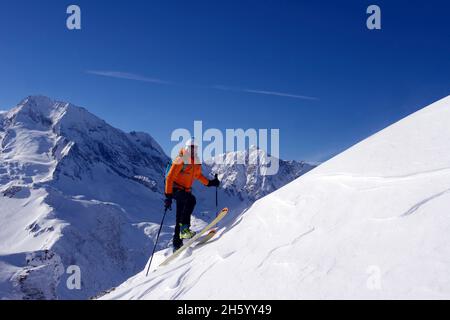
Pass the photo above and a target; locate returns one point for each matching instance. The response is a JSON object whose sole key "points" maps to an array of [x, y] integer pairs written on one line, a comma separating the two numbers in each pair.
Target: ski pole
{"points": [[217, 203], [156, 242]]}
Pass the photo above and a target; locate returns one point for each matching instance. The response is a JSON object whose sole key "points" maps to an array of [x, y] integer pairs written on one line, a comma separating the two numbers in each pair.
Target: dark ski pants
{"points": [[185, 206]]}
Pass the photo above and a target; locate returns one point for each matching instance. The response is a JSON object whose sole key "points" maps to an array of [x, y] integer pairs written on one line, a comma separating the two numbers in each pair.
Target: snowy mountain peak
{"points": [[49, 113], [34, 112], [38, 103], [69, 140]]}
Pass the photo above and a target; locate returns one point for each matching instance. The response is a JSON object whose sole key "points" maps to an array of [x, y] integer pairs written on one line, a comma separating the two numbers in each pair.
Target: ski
{"points": [[207, 237], [219, 217]]}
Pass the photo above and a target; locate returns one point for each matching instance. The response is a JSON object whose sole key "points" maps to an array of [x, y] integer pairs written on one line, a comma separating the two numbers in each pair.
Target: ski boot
{"points": [[185, 232]]}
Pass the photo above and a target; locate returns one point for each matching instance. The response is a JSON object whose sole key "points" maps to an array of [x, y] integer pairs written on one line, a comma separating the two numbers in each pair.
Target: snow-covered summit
{"points": [[373, 222], [66, 137]]}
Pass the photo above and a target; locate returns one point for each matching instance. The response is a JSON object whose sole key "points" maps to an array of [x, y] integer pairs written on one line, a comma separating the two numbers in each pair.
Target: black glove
{"points": [[168, 202], [214, 182]]}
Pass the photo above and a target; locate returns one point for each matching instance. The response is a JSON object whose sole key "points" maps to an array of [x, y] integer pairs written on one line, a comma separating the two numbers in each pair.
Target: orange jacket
{"points": [[183, 173]]}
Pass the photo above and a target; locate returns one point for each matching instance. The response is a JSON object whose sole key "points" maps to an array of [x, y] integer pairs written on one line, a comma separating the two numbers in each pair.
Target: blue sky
{"points": [[310, 68]]}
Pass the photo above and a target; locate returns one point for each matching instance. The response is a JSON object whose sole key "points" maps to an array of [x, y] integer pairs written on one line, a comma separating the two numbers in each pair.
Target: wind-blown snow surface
{"points": [[76, 191], [373, 222]]}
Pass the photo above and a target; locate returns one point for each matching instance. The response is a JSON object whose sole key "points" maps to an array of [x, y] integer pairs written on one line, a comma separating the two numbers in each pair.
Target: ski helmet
{"points": [[191, 142], [191, 145]]}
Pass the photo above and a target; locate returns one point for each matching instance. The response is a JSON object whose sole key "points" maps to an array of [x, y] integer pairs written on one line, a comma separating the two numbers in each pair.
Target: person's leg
{"points": [[189, 208], [180, 198]]}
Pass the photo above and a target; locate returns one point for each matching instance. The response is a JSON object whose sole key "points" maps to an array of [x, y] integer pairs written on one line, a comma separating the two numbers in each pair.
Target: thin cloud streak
{"points": [[280, 94], [136, 77], [127, 76], [265, 92]]}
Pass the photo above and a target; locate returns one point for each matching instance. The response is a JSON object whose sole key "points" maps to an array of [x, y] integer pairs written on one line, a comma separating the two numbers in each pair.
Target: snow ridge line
{"points": [[285, 245], [418, 205]]}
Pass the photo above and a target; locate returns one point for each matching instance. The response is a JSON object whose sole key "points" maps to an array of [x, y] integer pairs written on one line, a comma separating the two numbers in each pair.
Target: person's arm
{"points": [[175, 169], [205, 181], [200, 177]]}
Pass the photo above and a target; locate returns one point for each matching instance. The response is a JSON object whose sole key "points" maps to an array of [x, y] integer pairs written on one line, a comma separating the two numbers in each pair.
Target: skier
{"points": [[179, 179]]}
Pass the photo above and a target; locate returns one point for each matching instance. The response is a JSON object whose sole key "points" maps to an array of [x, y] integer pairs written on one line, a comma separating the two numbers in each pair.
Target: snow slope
{"points": [[76, 191], [372, 222]]}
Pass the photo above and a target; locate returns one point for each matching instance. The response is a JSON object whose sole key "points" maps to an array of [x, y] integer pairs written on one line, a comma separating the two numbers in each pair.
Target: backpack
{"points": [[169, 166]]}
